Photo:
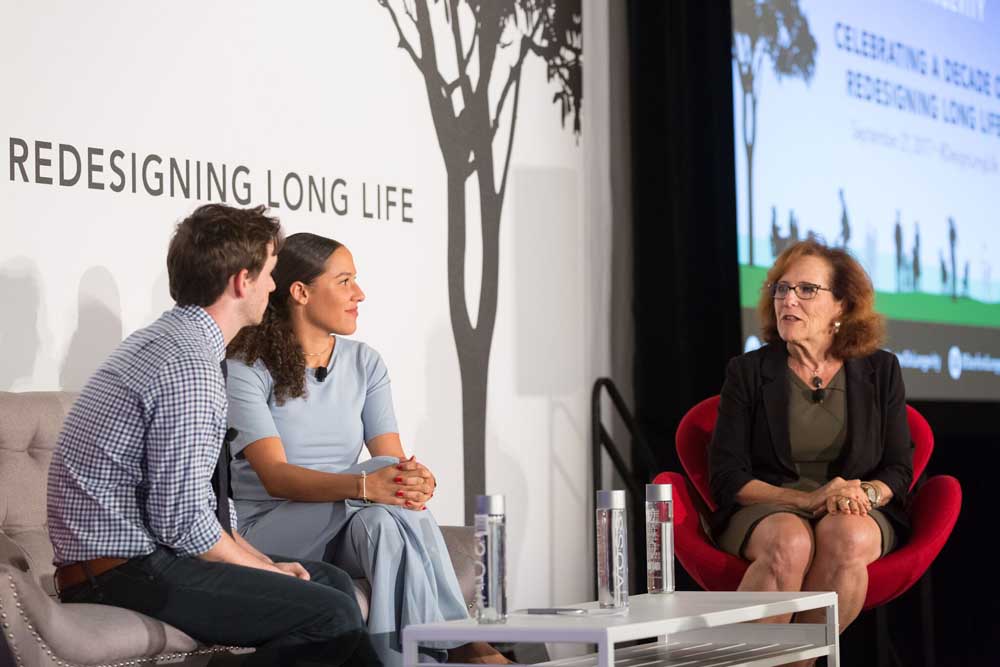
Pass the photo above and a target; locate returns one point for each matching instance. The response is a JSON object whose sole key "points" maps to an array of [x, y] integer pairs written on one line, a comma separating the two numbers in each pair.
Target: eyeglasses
{"points": [[804, 291]]}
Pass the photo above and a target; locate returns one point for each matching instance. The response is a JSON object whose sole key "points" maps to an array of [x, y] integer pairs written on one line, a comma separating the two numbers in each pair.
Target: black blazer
{"points": [[751, 438]]}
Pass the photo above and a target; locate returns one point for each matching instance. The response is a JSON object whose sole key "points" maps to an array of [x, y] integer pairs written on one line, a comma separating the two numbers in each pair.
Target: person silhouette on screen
{"points": [[793, 228], [845, 223], [944, 273], [953, 241], [776, 244], [916, 257], [987, 277], [899, 251], [965, 279]]}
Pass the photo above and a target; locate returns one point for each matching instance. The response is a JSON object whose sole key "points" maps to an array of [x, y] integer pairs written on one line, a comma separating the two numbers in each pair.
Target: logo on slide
{"points": [[955, 362]]}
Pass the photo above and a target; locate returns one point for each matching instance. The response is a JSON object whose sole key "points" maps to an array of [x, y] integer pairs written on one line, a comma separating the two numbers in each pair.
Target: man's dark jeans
{"points": [[285, 618]]}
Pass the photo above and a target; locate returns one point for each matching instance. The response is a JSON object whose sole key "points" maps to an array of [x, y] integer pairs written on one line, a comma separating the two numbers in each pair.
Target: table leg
{"points": [[833, 635], [606, 653], [409, 653]]}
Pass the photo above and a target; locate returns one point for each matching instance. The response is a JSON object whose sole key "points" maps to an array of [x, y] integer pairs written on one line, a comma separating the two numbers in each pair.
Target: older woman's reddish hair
{"points": [[861, 328]]}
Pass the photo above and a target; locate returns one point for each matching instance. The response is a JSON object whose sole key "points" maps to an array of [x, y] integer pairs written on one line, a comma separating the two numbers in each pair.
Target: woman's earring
{"points": [[836, 327]]}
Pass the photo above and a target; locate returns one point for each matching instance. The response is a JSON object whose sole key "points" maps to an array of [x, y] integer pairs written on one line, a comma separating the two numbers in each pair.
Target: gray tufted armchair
{"points": [[38, 630]]}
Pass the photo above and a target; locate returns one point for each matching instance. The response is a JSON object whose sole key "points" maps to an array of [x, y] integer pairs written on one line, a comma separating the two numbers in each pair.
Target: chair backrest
{"points": [[29, 426], [694, 434], [922, 438]]}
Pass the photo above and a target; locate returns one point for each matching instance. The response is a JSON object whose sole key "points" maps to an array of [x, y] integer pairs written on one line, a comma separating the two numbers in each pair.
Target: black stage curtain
{"points": [[686, 299]]}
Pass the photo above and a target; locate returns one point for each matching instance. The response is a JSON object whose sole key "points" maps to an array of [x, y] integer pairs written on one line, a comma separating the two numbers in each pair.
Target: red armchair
{"points": [[933, 512]]}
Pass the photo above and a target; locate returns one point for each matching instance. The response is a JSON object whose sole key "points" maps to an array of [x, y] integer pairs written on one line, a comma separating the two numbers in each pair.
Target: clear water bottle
{"points": [[659, 538], [612, 550], [491, 566]]}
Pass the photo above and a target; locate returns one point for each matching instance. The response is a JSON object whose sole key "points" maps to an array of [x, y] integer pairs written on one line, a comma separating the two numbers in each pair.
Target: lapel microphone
{"points": [[321, 373], [818, 393]]}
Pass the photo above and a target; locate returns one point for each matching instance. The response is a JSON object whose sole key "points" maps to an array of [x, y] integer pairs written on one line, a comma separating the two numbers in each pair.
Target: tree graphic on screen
{"points": [[767, 31], [470, 54]]}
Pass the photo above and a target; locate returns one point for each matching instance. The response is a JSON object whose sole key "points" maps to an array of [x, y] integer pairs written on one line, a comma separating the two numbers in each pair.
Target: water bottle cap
{"points": [[490, 504], [611, 500], [658, 492]]}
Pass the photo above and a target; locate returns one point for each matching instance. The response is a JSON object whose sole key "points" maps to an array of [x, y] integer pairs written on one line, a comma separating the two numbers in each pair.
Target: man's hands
{"points": [[408, 483], [838, 496], [293, 569], [237, 551]]}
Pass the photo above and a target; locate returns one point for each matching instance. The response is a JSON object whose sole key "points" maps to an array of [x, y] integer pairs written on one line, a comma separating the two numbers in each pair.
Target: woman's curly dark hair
{"points": [[302, 259]]}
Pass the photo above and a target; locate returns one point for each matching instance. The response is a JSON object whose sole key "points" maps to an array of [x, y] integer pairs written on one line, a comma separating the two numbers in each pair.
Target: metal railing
{"points": [[635, 475]]}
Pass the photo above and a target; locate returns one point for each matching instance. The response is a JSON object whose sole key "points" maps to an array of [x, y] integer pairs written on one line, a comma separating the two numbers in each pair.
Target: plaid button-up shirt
{"points": [[132, 469]]}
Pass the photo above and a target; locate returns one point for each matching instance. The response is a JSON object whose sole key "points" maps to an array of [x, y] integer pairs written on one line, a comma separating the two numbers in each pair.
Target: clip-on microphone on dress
{"points": [[818, 393]]}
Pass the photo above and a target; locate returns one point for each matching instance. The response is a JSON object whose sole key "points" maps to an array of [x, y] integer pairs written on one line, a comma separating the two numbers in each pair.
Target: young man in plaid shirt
{"points": [[132, 513]]}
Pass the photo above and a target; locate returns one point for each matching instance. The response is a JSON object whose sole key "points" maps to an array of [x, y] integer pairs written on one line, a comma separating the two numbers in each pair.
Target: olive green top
{"points": [[817, 431]]}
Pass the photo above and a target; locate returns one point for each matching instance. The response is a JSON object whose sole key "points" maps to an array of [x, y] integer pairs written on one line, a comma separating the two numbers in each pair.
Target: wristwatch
{"points": [[872, 492]]}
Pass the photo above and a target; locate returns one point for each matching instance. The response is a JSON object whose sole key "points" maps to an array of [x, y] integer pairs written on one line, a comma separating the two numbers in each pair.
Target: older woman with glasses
{"points": [[811, 460]]}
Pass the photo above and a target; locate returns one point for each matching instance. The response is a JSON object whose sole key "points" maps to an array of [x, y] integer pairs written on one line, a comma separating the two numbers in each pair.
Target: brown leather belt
{"points": [[74, 574]]}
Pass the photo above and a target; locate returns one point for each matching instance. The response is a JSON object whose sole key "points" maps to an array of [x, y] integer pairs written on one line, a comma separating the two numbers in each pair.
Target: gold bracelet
{"points": [[364, 486]]}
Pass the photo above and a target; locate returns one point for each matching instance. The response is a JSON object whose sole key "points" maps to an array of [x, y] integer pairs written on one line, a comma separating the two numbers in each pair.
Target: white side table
{"points": [[694, 629]]}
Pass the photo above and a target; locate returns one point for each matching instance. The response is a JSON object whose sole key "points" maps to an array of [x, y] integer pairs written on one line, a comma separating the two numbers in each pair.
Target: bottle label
{"points": [[621, 562], [481, 528]]}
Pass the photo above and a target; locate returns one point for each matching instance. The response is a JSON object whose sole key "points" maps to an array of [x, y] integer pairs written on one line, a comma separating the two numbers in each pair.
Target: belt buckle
{"points": [[55, 580], [89, 577]]}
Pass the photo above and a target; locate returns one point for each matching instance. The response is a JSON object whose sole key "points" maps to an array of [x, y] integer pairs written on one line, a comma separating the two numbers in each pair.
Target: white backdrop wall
{"points": [[319, 89]]}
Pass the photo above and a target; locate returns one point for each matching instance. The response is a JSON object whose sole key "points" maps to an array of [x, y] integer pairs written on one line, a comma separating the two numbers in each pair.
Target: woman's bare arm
{"points": [[282, 479]]}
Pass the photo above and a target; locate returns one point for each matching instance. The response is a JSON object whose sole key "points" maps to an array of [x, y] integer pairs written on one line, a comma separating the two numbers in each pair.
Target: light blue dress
{"points": [[400, 551]]}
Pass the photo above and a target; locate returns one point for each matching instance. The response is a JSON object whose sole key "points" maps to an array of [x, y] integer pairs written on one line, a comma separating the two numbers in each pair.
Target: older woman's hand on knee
{"points": [[848, 503], [818, 501]]}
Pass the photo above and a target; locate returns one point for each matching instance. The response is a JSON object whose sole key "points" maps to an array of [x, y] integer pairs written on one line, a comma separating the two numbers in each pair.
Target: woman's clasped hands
{"points": [[838, 496], [409, 484]]}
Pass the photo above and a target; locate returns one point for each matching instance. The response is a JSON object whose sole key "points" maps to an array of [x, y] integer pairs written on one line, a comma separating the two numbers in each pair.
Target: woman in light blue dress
{"points": [[305, 401]]}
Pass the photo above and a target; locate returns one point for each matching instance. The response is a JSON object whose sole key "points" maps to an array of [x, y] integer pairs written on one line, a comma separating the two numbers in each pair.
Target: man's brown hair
{"points": [[215, 243], [861, 328]]}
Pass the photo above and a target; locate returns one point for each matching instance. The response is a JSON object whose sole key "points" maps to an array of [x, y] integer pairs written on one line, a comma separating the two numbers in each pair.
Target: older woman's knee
{"points": [[848, 539], [784, 542]]}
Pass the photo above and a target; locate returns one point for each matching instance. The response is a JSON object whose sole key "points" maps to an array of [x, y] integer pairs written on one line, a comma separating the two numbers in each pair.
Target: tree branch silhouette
{"points": [[515, 75], [778, 31], [403, 42], [502, 190], [460, 61], [467, 131]]}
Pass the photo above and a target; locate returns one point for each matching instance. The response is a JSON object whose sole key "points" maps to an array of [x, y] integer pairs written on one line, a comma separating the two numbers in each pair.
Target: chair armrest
{"points": [[12, 554], [16, 550], [42, 630], [461, 543], [933, 514]]}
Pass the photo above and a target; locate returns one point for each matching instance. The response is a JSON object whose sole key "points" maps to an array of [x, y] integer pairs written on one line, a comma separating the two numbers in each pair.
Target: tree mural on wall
{"points": [[473, 94], [775, 31]]}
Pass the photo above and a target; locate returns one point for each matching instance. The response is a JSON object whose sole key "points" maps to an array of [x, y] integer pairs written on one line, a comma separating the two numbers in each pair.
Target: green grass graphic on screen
{"points": [[911, 306]]}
